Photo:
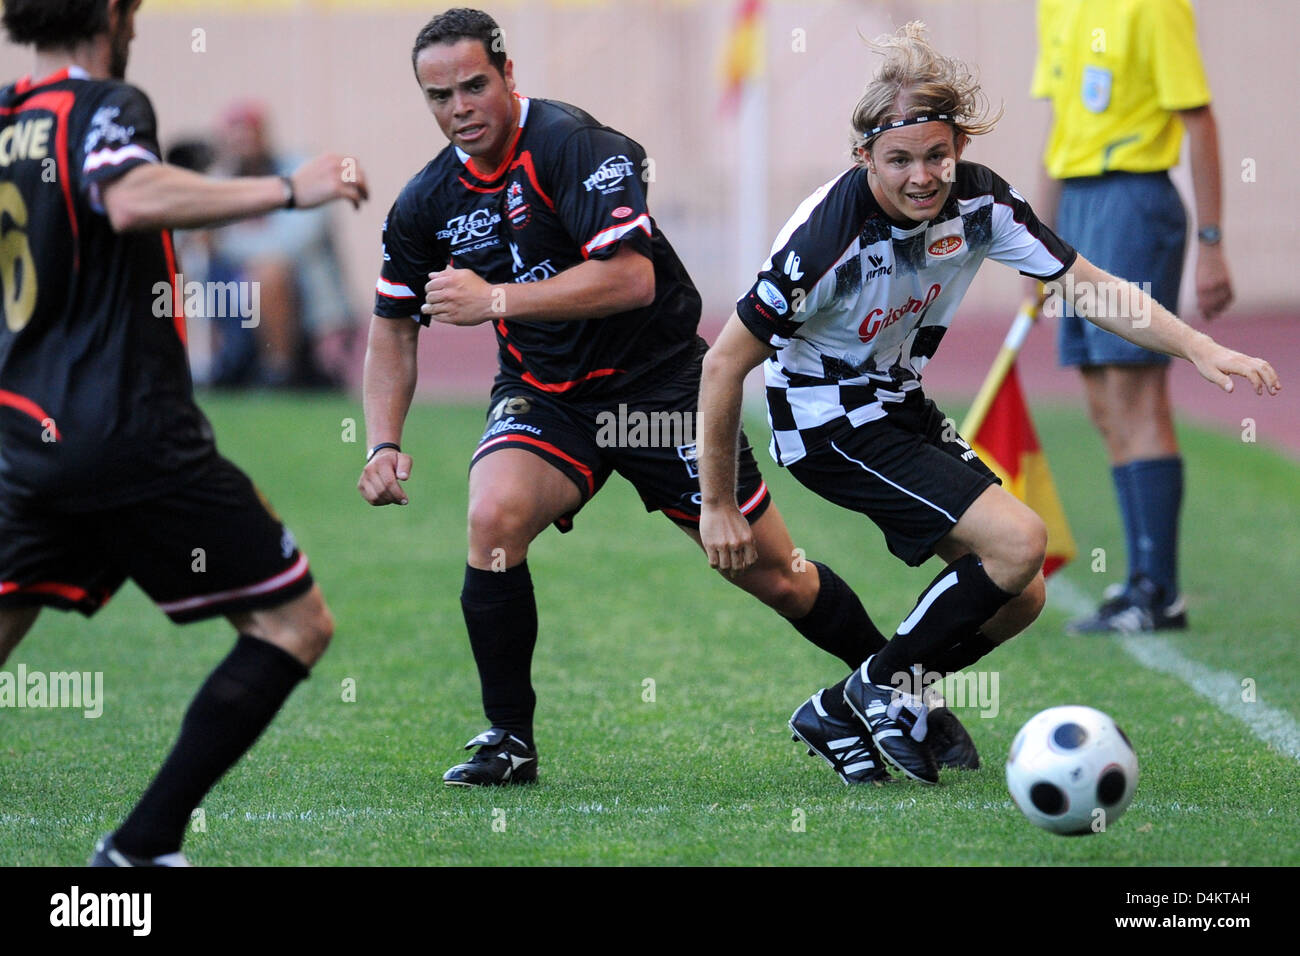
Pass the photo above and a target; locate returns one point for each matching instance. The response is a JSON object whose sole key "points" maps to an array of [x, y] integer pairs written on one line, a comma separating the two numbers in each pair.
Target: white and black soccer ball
{"points": [[1072, 770]]}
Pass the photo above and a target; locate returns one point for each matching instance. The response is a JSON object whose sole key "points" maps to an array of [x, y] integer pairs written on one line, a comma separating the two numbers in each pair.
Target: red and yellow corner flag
{"points": [[742, 60], [1000, 430]]}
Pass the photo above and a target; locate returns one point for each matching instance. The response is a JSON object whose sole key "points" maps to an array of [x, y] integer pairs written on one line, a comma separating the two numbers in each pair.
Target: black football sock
{"points": [[228, 714], [956, 603], [839, 625], [501, 617], [962, 656]]}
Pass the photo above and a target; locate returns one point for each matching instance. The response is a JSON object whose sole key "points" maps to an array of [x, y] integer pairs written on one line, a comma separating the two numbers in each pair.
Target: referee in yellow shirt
{"points": [[1125, 79]]}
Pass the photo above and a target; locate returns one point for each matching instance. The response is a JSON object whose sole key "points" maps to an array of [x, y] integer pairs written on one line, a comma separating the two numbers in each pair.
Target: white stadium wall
{"points": [[337, 75]]}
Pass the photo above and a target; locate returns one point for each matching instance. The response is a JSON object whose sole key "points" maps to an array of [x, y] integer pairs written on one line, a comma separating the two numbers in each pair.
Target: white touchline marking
{"points": [[1270, 724]]}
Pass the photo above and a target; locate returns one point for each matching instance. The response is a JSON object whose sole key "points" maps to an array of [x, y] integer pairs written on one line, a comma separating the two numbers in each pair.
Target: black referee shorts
{"points": [[212, 547], [649, 440], [909, 472]]}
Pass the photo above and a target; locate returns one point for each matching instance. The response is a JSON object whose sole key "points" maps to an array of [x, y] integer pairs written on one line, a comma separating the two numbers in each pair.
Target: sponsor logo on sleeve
{"points": [[609, 175], [622, 212], [791, 267], [106, 131], [770, 294]]}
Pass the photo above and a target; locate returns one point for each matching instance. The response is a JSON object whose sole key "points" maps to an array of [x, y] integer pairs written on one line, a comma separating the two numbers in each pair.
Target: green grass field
{"points": [[704, 774]]}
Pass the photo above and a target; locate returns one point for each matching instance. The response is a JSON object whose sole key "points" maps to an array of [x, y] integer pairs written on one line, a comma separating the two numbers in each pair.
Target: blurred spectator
{"points": [[305, 327]]}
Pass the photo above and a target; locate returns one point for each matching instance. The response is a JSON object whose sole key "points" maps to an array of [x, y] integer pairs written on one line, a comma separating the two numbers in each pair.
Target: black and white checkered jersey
{"points": [[856, 304]]}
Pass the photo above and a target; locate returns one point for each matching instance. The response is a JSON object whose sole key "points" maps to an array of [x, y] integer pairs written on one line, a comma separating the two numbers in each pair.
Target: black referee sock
{"points": [[954, 606], [501, 618], [962, 656], [228, 714]]}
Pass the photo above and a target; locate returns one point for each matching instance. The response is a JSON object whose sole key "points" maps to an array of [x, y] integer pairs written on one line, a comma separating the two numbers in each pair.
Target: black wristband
{"points": [[292, 201], [380, 447]]}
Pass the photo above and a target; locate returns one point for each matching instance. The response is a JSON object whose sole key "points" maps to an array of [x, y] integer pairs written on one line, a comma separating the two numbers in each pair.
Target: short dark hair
{"points": [[462, 23], [54, 23]]}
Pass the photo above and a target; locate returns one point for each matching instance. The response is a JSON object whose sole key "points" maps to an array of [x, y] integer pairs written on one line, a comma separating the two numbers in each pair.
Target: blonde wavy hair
{"points": [[916, 79]]}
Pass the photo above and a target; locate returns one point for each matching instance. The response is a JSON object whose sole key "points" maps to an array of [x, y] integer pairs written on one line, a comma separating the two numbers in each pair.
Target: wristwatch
{"points": [[1209, 235]]}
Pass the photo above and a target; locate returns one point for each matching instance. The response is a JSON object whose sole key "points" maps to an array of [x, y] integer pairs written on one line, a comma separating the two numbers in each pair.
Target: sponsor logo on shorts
{"points": [[509, 425], [945, 246], [770, 294], [515, 405], [687, 454], [288, 544], [609, 175]]}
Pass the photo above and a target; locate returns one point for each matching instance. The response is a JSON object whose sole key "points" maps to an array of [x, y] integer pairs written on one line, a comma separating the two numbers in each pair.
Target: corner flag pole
{"points": [[1006, 357]]}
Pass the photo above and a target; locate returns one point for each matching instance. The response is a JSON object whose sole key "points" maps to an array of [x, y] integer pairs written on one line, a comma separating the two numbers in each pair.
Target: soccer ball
{"points": [[1072, 771]]}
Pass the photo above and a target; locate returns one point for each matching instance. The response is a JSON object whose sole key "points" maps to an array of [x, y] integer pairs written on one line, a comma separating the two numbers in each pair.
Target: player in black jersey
{"points": [[886, 251], [108, 470], [534, 218]]}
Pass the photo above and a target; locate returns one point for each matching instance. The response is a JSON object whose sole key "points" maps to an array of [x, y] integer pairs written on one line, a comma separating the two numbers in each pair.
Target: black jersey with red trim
{"points": [[570, 190], [96, 404]]}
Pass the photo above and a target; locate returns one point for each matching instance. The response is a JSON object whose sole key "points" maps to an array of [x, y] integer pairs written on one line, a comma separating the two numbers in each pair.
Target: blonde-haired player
{"points": [[860, 287]]}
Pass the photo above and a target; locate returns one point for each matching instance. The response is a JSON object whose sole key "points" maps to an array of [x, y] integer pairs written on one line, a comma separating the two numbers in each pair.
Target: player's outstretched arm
{"points": [[724, 532], [1121, 307], [388, 385], [155, 196], [590, 290]]}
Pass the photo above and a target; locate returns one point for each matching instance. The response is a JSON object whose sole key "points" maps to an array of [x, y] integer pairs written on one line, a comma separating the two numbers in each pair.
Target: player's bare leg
{"points": [[301, 627], [14, 625], [809, 594], [1130, 406], [275, 650], [778, 578], [826, 611], [513, 496]]}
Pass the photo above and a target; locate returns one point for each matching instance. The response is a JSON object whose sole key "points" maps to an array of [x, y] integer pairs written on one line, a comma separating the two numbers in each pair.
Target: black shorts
{"points": [[212, 547], [649, 440], [909, 472]]}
